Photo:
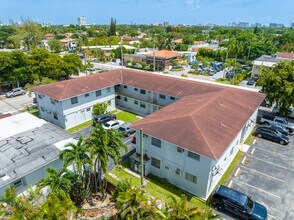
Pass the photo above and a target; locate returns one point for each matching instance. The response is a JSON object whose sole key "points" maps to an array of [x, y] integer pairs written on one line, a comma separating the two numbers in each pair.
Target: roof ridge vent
{"points": [[224, 125]]}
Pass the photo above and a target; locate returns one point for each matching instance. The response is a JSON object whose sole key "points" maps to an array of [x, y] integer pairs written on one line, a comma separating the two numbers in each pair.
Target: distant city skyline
{"points": [[190, 12]]}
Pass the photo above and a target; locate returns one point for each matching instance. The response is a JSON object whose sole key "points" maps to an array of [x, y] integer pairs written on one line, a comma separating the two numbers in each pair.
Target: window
{"points": [[180, 150], [118, 85], [232, 150], [191, 177], [98, 93], [108, 89], [193, 155], [172, 98], [155, 162], [118, 97], [88, 109], [87, 95], [40, 96], [18, 183], [135, 102], [156, 142], [142, 105], [74, 100], [109, 102], [125, 99], [178, 171], [55, 115], [52, 101], [42, 109], [161, 96], [136, 89], [143, 91], [125, 87]]}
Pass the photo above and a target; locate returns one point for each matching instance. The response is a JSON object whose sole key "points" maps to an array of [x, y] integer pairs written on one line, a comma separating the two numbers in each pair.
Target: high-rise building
{"points": [[165, 23], [276, 25], [243, 24], [82, 20], [292, 25]]}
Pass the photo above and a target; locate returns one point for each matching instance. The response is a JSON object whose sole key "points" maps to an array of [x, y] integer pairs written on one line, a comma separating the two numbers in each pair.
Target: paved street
{"points": [[266, 174], [15, 104]]}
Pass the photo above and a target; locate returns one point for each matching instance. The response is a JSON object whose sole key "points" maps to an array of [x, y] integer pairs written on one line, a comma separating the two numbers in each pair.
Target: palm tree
{"points": [[103, 145], [180, 209], [135, 204], [235, 47], [59, 184]]}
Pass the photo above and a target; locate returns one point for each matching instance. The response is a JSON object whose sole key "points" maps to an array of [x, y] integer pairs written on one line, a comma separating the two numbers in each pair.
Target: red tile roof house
{"points": [[163, 58], [192, 130]]}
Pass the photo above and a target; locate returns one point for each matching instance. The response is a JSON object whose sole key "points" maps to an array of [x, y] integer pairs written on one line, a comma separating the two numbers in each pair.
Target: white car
{"points": [[115, 124]]}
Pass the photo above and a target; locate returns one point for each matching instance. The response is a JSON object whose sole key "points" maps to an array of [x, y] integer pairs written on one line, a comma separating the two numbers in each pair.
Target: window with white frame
{"points": [[172, 98], [52, 101], [135, 102], [193, 155], [18, 183], [142, 105], [40, 96], [55, 115], [143, 91], [161, 96], [125, 99], [155, 162], [74, 100], [108, 89], [118, 97], [42, 109], [87, 95], [190, 177], [156, 142], [88, 109]]}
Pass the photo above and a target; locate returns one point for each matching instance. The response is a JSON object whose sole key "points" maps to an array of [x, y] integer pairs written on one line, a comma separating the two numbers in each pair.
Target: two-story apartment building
{"points": [[69, 103], [192, 130]]}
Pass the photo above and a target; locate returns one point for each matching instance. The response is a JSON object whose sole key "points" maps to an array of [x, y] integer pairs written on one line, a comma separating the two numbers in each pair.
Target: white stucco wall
{"points": [[32, 178]]}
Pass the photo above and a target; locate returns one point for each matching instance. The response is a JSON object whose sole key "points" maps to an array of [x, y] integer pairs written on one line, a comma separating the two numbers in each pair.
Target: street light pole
{"points": [[121, 51]]}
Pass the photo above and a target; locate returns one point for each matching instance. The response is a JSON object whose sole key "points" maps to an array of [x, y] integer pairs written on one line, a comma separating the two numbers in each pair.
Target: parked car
{"points": [[115, 124], [15, 92], [267, 119], [278, 128], [250, 82], [126, 130], [101, 119], [231, 201], [272, 135]]}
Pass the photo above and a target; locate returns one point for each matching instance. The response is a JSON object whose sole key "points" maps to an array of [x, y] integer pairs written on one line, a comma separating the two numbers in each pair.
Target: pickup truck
{"points": [[266, 119]]}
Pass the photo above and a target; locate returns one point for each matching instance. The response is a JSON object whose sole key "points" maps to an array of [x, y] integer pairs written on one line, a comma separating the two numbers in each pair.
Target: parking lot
{"points": [[266, 174]]}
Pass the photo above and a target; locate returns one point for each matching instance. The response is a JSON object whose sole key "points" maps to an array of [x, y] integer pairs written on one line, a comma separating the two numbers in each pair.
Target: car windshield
{"points": [[121, 129], [107, 125], [278, 133], [250, 204]]}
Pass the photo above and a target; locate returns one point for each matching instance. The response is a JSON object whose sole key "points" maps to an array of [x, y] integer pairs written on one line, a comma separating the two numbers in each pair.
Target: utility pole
{"points": [[154, 57], [141, 157]]}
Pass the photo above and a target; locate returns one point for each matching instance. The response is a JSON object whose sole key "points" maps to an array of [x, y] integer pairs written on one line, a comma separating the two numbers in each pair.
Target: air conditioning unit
{"points": [[179, 171], [180, 150], [167, 167]]}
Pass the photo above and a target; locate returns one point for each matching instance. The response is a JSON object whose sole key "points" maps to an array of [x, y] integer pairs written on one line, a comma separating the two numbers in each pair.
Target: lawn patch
{"points": [[250, 137], [35, 112], [127, 116], [80, 126], [224, 81], [231, 168]]}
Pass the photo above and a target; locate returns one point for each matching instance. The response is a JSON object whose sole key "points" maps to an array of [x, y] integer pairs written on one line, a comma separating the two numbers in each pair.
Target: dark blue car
{"points": [[238, 204], [272, 135]]}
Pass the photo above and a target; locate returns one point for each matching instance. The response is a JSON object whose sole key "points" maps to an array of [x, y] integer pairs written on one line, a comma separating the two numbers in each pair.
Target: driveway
{"points": [[15, 104], [266, 174]]}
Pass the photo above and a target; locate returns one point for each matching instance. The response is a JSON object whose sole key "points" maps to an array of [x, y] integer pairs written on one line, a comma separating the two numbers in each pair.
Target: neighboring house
{"points": [[162, 58], [190, 56], [192, 130], [269, 61], [49, 36], [28, 145], [70, 43], [106, 49], [69, 103]]}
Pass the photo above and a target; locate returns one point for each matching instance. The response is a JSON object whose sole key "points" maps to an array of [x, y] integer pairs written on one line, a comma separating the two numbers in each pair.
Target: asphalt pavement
{"points": [[15, 104]]}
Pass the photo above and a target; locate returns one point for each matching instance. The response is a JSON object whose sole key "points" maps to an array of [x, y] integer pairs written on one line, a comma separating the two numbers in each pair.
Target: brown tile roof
{"points": [[285, 55], [203, 123], [70, 88], [205, 119], [65, 40], [164, 54]]}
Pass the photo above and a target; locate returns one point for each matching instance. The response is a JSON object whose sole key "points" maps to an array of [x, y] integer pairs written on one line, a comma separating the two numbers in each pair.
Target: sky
{"points": [[175, 12]]}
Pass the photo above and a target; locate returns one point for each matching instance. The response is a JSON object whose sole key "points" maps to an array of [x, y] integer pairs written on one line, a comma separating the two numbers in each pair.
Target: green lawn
{"points": [[80, 126], [231, 168], [35, 112], [157, 187], [127, 116], [250, 137], [224, 81]]}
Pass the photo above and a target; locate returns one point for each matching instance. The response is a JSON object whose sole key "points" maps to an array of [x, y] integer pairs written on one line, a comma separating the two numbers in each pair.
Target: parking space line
{"points": [[263, 174], [127, 141], [278, 145], [268, 162], [254, 187], [271, 216], [280, 155]]}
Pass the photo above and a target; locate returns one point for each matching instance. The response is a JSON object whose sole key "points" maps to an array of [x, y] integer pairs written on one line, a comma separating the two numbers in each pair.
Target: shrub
{"points": [[184, 75]]}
